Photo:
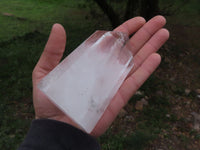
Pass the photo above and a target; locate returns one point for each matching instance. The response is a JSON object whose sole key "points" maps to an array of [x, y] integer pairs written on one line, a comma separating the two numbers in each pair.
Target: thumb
{"points": [[52, 53]]}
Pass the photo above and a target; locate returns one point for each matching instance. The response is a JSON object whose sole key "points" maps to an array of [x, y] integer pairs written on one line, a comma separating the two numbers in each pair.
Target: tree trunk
{"points": [[149, 8], [108, 10], [131, 8]]}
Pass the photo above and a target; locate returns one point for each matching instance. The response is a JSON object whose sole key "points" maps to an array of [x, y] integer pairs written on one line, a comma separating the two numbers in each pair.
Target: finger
{"points": [[152, 46], [53, 50], [125, 92], [131, 25], [134, 81], [145, 33]]}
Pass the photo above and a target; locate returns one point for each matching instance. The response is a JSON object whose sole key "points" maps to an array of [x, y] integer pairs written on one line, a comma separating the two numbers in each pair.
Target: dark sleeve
{"points": [[47, 134]]}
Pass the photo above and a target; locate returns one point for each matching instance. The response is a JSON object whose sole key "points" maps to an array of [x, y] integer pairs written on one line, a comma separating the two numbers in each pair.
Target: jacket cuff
{"points": [[46, 134]]}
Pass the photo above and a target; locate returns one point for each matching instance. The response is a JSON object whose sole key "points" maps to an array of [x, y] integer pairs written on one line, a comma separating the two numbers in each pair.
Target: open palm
{"points": [[147, 39]]}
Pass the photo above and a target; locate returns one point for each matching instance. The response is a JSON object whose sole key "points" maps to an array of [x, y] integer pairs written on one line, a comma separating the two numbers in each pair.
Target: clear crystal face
{"points": [[85, 82]]}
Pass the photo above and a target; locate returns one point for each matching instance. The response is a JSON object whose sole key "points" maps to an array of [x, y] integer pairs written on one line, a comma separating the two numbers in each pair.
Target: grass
{"points": [[138, 140], [18, 58], [34, 16], [22, 38]]}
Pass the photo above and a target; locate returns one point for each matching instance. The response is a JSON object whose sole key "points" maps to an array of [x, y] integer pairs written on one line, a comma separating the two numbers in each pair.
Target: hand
{"points": [[146, 41]]}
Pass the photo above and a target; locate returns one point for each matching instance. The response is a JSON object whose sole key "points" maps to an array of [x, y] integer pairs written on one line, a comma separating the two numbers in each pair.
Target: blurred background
{"points": [[163, 115]]}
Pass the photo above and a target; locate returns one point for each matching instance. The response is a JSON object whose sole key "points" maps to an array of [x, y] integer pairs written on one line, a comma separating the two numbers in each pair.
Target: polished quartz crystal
{"points": [[85, 82]]}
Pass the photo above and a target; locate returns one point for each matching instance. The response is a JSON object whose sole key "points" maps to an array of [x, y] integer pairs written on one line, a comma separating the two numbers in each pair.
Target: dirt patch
{"points": [[180, 66], [181, 55]]}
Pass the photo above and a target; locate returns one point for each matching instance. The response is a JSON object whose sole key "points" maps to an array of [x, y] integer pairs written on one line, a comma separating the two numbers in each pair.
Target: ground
{"points": [[167, 119]]}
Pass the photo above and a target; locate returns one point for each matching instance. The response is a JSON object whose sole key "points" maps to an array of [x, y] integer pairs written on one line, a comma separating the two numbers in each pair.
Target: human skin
{"points": [[147, 38]]}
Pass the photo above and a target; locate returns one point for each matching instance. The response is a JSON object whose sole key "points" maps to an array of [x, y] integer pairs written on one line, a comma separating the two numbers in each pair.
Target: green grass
{"points": [[112, 141], [18, 58], [136, 141], [40, 16], [34, 15]]}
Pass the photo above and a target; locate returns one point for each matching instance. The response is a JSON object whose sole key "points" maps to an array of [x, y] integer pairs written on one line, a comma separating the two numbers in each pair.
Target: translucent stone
{"points": [[85, 82]]}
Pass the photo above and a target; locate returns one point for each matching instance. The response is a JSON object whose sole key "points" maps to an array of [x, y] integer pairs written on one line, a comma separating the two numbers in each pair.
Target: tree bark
{"points": [[149, 8], [108, 10], [146, 8], [131, 8]]}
